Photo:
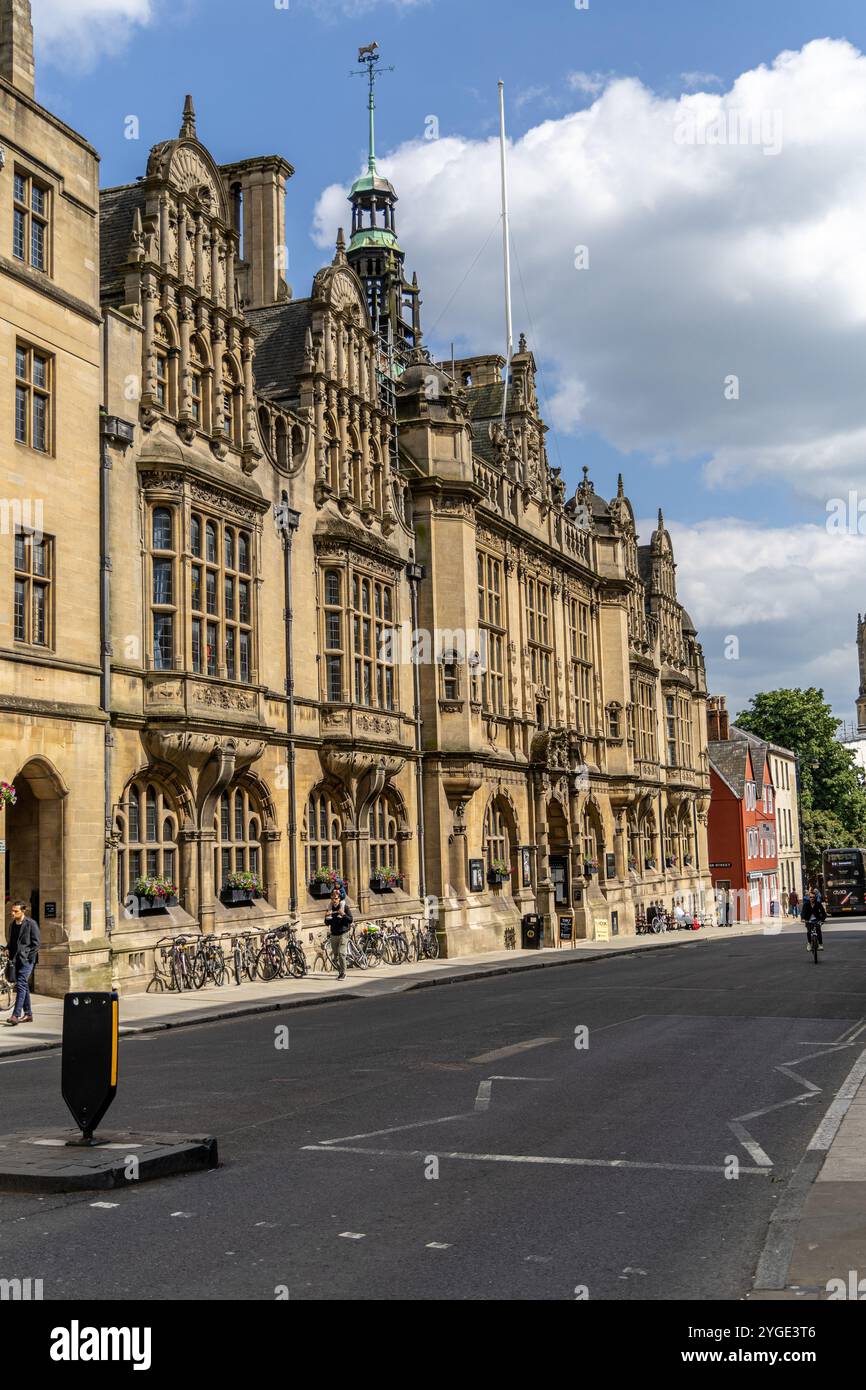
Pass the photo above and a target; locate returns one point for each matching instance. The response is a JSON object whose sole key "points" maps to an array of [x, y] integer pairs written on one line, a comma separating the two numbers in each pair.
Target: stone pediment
{"points": [[167, 464]]}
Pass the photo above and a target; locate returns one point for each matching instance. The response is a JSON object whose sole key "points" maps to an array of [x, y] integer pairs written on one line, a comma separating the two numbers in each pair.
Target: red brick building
{"points": [[744, 864]]}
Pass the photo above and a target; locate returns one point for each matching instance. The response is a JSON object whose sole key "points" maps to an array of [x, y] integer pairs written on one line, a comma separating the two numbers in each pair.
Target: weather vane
{"points": [[369, 57]]}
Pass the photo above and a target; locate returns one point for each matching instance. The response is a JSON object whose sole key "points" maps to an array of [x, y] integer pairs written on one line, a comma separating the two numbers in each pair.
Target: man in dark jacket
{"points": [[814, 911], [339, 923], [25, 935]]}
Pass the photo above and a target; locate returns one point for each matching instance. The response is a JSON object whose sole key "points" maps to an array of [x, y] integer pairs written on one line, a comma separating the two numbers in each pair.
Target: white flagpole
{"points": [[509, 336]]}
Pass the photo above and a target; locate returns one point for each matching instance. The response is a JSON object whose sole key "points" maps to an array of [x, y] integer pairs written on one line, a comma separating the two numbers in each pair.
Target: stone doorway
{"points": [[34, 859]]}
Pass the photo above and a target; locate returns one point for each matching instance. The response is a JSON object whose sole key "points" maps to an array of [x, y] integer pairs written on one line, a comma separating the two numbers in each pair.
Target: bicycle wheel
{"points": [[237, 963], [251, 957], [370, 954], [297, 961], [815, 947], [199, 971], [269, 962], [432, 944], [217, 970]]}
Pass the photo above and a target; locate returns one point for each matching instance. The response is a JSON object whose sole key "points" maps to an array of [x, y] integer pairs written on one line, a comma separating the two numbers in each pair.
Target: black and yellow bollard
{"points": [[88, 1076]]}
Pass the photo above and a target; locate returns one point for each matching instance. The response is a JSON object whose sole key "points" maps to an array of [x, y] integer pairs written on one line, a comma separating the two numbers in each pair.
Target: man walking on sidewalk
{"points": [[23, 953], [339, 922]]}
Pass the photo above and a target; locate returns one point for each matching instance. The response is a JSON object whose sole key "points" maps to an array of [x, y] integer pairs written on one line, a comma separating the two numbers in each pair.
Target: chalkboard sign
{"points": [[566, 928]]}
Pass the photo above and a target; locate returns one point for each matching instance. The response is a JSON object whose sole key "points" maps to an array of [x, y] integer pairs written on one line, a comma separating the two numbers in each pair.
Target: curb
{"points": [[504, 968]]}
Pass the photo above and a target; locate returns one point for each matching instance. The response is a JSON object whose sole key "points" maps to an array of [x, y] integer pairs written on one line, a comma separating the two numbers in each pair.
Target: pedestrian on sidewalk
{"points": [[814, 911], [339, 924], [794, 903], [24, 943]]}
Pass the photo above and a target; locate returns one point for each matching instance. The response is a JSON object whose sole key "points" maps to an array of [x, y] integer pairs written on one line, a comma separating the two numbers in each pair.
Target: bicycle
{"points": [[270, 961], [208, 962], [324, 957], [372, 944], [293, 953], [354, 955], [395, 944], [814, 944], [244, 956], [7, 989]]}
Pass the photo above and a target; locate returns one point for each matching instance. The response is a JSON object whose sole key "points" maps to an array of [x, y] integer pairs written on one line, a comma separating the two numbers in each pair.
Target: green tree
{"points": [[832, 786]]}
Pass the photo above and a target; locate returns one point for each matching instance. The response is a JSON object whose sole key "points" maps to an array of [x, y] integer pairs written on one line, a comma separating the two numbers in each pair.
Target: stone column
{"points": [[230, 273], [208, 889], [163, 230], [457, 852], [270, 840], [215, 287], [184, 383], [189, 884], [619, 845], [181, 243]]}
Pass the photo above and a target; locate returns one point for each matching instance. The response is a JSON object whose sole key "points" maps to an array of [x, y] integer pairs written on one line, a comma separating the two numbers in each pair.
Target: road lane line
{"points": [[826, 1131], [512, 1048], [395, 1129], [535, 1158]]}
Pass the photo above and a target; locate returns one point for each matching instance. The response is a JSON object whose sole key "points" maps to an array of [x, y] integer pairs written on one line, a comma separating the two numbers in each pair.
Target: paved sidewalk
{"points": [[142, 1013], [816, 1248]]}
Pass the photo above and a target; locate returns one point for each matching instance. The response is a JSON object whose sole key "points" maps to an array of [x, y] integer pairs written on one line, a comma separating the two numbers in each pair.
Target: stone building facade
{"points": [[330, 606]]}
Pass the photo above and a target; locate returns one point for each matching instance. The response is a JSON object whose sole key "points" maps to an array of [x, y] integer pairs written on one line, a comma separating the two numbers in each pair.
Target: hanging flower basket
{"points": [[324, 881], [8, 794], [154, 893], [688, 860], [498, 872], [670, 862], [240, 888], [649, 863], [590, 867]]}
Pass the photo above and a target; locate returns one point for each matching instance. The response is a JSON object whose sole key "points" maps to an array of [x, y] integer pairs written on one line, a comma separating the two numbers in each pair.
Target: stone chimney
{"points": [[257, 193], [16, 45], [718, 720]]}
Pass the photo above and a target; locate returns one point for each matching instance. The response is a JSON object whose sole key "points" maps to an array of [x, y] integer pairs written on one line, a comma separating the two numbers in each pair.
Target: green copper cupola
{"points": [[374, 252]]}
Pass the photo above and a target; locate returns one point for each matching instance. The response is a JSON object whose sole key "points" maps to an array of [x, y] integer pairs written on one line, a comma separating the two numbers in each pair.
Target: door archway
{"points": [[34, 847]]}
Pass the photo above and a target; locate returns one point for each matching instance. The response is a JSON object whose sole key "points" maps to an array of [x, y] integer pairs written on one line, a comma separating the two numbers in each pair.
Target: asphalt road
{"points": [[377, 1155]]}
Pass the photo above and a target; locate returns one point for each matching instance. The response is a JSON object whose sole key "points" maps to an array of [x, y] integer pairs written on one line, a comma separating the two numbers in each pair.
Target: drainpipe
{"points": [[118, 433], [288, 521], [416, 573]]}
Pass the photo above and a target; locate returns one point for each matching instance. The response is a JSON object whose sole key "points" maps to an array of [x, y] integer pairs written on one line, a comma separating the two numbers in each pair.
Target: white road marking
{"points": [[435, 1245], [485, 1088], [538, 1158], [826, 1131], [186, 1215], [749, 1143], [352, 1235], [395, 1129], [107, 1206], [49, 1143], [513, 1048]]}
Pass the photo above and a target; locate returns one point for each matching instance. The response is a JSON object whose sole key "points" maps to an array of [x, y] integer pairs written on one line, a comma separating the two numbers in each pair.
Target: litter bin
{"points": [[531, 931]]}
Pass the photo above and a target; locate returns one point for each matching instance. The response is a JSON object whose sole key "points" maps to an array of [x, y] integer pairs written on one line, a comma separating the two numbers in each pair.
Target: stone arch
{"points": [[171, 780], [36, 845]]}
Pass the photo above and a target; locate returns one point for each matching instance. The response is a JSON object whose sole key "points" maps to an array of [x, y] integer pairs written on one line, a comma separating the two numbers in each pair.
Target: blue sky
{"points": [[688, 284]]}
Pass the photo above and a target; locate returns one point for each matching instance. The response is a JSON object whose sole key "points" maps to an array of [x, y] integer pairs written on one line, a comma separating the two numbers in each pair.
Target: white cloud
{"points": [[706, 260], [788, 595], [590, 83], [81, 31], [693, 80]]}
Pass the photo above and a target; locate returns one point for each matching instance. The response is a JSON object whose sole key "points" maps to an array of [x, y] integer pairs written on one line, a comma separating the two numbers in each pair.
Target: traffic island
{"points": [[57, 1161]]}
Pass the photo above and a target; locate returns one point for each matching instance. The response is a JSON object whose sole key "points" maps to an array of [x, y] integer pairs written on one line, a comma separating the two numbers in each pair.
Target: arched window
{"points": [[282, 443], [333, 636], [238, 827], [648, 842], [232, 402], [146, 823], [164, 365], [163, 587], [592, 849], [324, 835], [198, 395], [496, 846], [383, 836]]}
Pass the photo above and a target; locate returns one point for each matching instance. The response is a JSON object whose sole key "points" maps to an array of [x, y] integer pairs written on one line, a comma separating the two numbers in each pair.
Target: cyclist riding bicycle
{"points": [[814, 913]]}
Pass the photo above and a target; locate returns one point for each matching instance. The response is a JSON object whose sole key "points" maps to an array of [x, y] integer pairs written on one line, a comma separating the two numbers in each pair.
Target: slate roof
{"points": [[116, 211], [759, 749], [281, 330], [729, 757]]}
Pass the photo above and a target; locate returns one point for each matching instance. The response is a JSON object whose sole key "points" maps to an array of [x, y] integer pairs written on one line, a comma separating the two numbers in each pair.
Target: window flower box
{"points": [[154, 894], [8, 794], [385, 880], [240, 888], [688, 861], [649, 863], [670, 862], [498, 872], [323, 883], [590, 867]]}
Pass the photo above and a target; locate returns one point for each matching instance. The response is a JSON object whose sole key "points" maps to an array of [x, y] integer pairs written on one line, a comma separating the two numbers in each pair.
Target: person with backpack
{"points": [[339, 923], [814, 912]]}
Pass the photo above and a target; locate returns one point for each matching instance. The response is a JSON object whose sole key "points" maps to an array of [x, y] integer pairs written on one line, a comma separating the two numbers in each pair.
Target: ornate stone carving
{"points": [[223, 697]]}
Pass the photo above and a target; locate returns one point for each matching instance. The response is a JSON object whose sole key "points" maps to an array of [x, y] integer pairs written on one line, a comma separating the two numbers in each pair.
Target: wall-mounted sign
{"points": [[476, 875], [602, 929], [614, 922], [610, 866], [526, 861], [50, 909], [720, 866], [87, 917]]}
